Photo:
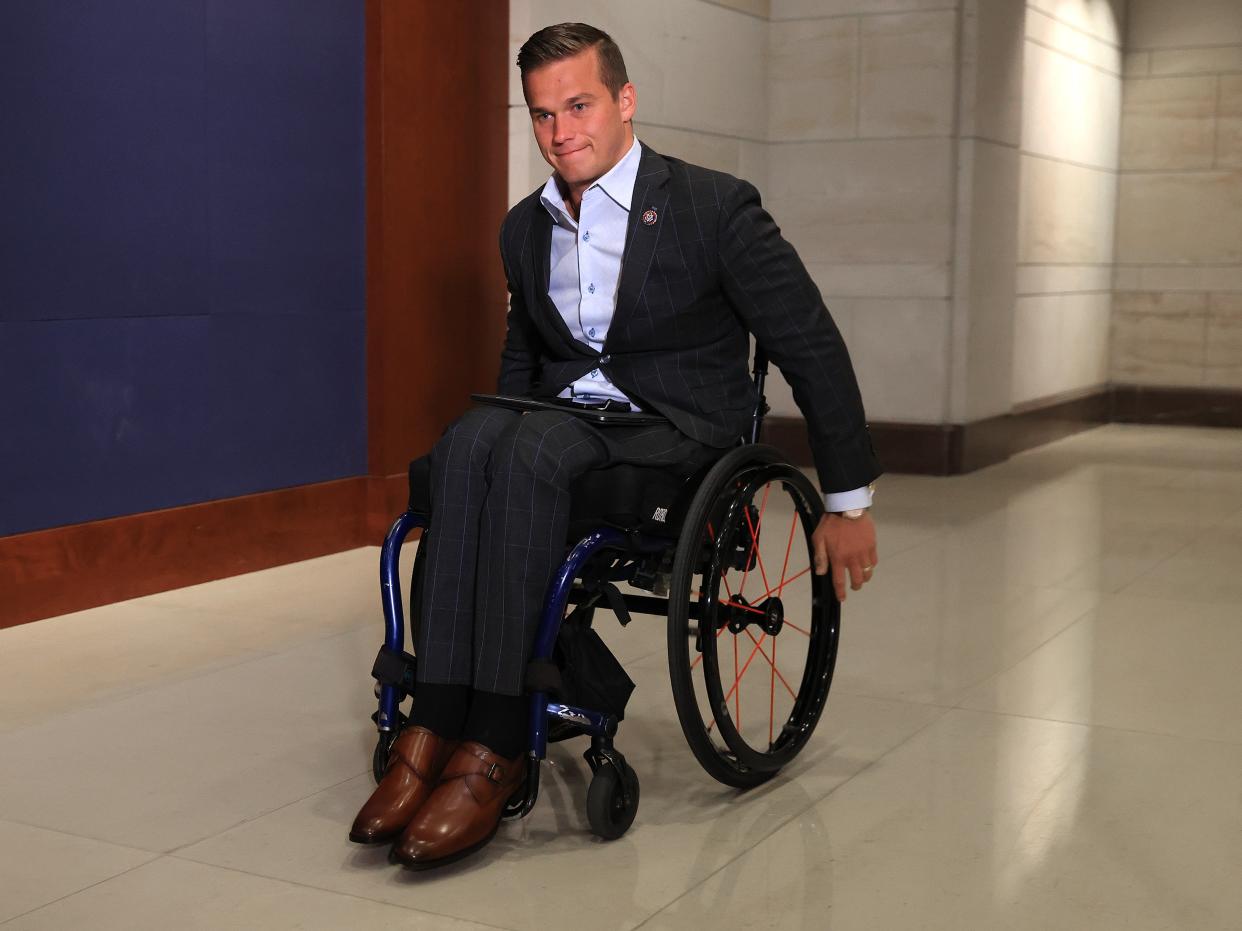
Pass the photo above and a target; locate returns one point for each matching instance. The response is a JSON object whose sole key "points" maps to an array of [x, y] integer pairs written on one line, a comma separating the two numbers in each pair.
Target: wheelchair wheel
{"points": [[383, 748], [612, 800], [752, 631]]}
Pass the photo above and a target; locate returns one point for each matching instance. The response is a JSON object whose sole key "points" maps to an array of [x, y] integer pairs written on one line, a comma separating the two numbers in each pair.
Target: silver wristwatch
{"points": [[857, 513]]}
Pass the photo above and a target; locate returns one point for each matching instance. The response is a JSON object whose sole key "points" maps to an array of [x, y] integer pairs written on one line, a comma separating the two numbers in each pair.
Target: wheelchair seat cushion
{"points": [[628, 497]]}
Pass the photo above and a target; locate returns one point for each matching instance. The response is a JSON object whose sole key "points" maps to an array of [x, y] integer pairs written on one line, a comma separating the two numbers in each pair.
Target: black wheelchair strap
{"points": [[542, 675], [615, 600]]}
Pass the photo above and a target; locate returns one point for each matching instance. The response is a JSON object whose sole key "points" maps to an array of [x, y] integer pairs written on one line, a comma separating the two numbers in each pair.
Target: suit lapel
{"points": [[650, 201], [539, 248]]}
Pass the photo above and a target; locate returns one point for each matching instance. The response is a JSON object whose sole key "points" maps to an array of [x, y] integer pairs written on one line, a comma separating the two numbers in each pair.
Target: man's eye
{"points": [[580, 107]]}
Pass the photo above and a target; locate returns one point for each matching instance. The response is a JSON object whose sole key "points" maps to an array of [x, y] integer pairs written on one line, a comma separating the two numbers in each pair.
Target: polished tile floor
{"points": [[1035, 724]]}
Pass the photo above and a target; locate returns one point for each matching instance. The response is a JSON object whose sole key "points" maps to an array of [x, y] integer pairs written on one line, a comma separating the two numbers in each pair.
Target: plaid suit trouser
{"points": [[500, 515]]}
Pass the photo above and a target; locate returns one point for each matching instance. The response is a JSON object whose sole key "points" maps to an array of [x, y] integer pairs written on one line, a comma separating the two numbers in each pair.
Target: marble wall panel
{"points": [[1136, 64], [722, 153], [984, 280], [1180, 217], [866, 201], [1036, 347], [1159, 338], [901, 356], [1059, 279], [1179, 278], [991, 62], [810, 9], [1061, 345], [901, 280], [1086, 335], [1066, 213], [714, 69], [1229, 122], [1169, 123], [760, 8], [1223, 355], [1057, 35], [777, 391], [1127, 278], [1186, 23], [1101, 19], [525, 162], [640, 28], [1070, 110], [813, 79], [907, 74], [1196, 60]]}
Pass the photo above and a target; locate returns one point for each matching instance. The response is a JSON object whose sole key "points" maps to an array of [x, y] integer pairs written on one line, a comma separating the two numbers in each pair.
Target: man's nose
{"points": [[561, 132]]}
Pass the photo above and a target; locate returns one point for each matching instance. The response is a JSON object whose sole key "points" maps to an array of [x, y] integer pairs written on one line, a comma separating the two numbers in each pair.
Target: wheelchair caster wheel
{"points": [[612, 800], [383, 748], [379, 760]]}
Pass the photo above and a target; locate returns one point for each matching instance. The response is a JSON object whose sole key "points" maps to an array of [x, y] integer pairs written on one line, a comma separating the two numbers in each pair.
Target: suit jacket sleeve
{"points": [[519, 359], [769, 287]]}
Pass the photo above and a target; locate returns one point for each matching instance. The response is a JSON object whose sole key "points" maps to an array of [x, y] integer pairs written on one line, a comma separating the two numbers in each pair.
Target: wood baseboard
{"points": [[63, 569], [1183, 407], [954, 449], [50, 572]]}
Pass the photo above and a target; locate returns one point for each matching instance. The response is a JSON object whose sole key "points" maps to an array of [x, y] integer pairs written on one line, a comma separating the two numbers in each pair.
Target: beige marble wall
{"points": [[860, 175], [1067, 198], [990, 95], [1179, 237], [699, 68], [842, 113]]}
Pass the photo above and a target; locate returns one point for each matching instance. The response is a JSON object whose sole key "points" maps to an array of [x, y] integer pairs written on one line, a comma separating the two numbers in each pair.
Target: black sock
{"points": [[440, 708], [499, 722]]}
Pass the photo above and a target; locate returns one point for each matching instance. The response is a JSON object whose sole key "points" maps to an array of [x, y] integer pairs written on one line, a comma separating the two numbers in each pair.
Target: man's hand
{"points": [[849, 546]]}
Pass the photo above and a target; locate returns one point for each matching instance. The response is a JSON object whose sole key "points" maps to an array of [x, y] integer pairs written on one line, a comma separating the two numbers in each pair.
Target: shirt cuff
{"points": [[837, 501]]}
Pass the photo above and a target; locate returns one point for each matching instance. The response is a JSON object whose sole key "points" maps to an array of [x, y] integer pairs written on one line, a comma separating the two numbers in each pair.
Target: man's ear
{"points": [[627, 98]]}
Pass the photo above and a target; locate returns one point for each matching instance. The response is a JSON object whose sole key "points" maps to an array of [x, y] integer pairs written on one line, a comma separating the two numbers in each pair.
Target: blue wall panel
{"points": [[102, 163], [181, 253]]}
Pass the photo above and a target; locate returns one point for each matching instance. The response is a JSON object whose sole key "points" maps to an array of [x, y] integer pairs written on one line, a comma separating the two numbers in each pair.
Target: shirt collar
{"points": [[618, 184]]}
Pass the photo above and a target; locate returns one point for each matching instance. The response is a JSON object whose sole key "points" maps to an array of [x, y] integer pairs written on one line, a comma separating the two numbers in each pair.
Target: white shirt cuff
{"points": [[837, 501]]}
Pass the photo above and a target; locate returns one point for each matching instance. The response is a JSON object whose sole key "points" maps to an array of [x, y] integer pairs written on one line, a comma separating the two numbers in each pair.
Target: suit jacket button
{"points": [[604, 360]]}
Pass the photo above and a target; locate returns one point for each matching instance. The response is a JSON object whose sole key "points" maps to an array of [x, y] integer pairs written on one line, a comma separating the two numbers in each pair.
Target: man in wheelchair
{"points": [[636, 281]]}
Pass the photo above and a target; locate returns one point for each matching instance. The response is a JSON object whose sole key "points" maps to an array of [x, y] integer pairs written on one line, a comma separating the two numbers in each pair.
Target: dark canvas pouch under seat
{"points": [[591, 677]]}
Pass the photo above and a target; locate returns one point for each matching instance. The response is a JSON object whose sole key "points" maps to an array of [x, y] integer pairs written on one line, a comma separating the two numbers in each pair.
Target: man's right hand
{"points": [[849, 546]]}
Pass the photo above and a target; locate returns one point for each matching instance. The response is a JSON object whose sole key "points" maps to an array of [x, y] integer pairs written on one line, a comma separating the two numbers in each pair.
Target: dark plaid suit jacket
{"points": [[712, 267]]}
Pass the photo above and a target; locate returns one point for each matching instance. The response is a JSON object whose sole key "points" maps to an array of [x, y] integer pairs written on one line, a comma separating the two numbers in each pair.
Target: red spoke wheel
{"points": [[752, 631]]}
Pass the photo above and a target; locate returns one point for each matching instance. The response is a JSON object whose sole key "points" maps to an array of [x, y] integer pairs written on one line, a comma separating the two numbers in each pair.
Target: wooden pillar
{"points": [[437, 170]]}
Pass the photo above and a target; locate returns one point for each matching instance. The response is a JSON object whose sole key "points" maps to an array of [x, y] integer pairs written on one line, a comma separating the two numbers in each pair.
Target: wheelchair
{"points": [[750, 670]]}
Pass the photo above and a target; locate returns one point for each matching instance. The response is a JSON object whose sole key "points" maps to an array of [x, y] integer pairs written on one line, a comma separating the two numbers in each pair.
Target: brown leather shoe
{"points": [[414, 767], [464, 810]]}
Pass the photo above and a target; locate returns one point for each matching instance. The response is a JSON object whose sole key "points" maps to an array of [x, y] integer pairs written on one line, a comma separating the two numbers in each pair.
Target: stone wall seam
{"points": [[1068, 25], [1072, 57]]}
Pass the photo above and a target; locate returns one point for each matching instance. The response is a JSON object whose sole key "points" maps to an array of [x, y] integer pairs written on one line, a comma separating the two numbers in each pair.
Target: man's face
{"points": [[581, 129]]}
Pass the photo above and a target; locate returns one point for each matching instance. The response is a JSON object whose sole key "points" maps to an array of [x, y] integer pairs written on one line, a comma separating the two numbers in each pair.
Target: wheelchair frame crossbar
{"points": [[637, 604], [561, 593]]}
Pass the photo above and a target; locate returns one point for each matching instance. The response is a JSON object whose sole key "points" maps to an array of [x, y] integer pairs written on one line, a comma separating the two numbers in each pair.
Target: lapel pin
{"points": [[649, 217]]}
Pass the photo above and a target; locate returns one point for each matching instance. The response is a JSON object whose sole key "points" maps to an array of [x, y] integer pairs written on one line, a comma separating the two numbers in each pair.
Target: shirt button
{"points": [[604, 360], [591, 288], [586, 236]]}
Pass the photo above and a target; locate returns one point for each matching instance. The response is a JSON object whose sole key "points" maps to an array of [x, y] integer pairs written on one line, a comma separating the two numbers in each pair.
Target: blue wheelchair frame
{"points": [[600, 726]]}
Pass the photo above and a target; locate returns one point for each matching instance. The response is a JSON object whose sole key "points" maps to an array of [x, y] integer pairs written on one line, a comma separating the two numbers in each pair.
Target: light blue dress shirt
{"points": [[586, 263], [585, 268]]}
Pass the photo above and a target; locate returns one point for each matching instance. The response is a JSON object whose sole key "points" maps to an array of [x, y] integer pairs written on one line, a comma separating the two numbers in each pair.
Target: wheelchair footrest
{"points": [[396, 668]]}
